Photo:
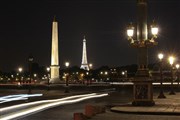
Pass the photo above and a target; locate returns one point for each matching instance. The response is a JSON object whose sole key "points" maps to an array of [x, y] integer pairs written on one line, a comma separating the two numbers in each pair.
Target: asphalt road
{"points": [[65, 112], [122, 96]]}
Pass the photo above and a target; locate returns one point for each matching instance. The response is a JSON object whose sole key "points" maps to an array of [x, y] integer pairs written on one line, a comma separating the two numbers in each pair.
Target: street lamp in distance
{"points": [[161, 94], [177, 73], [48, 76], [67, 77], [30, 60], [171, 62], [90, 74], [90, 65], [20, 69]]}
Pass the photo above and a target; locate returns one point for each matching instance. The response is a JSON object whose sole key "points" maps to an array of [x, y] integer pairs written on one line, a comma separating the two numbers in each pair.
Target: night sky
{"points": [[25, 28]]}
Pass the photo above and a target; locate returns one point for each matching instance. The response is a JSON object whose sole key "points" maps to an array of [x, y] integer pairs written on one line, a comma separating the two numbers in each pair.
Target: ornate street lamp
{"points": [[143, 94], [171, 62], [177, 73], [67, 77], [161, 94]]}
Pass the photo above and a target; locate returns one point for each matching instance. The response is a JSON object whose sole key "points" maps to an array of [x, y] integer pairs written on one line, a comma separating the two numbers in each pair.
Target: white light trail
{"points": [[131, 83], [165, 83], [13, 99], [10, 98], [50, 105], [42, 101]]}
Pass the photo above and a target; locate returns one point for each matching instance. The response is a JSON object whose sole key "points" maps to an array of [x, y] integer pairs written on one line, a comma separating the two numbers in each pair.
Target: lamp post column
{"points": [[172, 90], [177, 73], [142, 36]]}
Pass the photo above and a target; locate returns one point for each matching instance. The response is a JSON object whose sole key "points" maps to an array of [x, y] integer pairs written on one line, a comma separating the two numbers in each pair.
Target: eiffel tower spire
{"points": [[84, 63]]}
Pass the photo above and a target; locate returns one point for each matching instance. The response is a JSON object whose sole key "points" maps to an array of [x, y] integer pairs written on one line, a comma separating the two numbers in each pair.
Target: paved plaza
{"points": [[122, 116], [165, 109], [167, 106]]}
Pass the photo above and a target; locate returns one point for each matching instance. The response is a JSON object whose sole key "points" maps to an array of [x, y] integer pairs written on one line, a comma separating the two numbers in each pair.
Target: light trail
{"points": [[131, 83], [42, 101], [50, 105], [165, 83], [10, 98]]}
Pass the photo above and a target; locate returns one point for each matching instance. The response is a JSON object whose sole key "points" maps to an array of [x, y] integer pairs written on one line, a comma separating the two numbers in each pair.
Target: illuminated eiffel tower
{"points": [[84, 63]]}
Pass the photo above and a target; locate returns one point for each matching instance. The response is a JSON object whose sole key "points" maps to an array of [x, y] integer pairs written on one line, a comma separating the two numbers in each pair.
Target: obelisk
{"points": [[54, 78]]}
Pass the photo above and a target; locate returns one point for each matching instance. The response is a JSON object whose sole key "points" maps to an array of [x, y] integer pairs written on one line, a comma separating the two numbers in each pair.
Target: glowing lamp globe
{"points": [[171, 60], [160, 56], [177, 66], [154, 31], [130, 32]]}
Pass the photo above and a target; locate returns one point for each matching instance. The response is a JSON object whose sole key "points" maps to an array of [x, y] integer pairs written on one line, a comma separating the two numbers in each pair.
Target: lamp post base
{"points": [[29, 89], [172, 92], [142, 92], [161, 95], [143, 103], [29, 92], [48, 87], [66, 89]]}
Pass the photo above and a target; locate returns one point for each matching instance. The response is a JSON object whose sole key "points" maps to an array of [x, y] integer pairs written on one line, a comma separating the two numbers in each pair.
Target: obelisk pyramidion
{"points": [[84, 63], [54, 78]]}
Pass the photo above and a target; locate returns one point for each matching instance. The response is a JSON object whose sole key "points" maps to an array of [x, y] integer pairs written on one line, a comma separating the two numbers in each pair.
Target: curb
{"points": [[114, 109]]}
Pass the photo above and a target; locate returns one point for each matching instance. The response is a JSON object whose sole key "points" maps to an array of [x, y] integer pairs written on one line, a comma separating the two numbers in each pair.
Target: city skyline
{"points": [[26, 29]]}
